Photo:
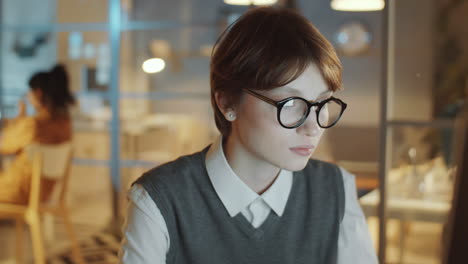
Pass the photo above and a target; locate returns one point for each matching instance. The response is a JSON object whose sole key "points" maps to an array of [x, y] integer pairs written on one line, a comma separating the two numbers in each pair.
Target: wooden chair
{"points": [[52, 162]]}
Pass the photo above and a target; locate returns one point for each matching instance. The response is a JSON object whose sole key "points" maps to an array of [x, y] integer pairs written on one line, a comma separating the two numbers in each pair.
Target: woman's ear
{"points": [[228, 111], [221, 102], [38, 94]]}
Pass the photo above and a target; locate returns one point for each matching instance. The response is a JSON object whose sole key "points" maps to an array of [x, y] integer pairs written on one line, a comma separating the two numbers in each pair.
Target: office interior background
{"points": [[140, 72]]}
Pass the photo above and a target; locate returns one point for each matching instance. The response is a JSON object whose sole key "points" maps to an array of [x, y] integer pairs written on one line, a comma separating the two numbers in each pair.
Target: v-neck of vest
{"points": [[271, 220]]}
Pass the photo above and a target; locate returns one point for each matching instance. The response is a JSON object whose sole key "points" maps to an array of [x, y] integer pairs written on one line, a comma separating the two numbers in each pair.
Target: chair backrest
{"points": [[51, 161], [55, 158]]}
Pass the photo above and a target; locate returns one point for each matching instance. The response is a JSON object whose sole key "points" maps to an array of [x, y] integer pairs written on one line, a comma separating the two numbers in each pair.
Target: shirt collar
{"points": [[234, 193]]}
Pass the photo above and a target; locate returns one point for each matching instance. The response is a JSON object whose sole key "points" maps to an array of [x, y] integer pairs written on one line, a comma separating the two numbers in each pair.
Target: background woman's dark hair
{"points": [[266, 48], [55, 88]]}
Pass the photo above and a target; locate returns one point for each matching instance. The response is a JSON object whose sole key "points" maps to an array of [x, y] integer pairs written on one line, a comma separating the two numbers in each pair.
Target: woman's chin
{"points": [[294, 165]]}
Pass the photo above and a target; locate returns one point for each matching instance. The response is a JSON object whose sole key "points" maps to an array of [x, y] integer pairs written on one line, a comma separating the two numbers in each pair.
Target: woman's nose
{"points": [[310, 127]]}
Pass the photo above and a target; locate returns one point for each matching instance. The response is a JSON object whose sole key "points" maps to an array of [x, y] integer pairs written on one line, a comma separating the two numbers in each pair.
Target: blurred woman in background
{"points": [[51, 98]]}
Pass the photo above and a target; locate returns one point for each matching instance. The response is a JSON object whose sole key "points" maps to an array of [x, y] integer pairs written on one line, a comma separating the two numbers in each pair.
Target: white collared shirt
{"points": [[146, 238]]}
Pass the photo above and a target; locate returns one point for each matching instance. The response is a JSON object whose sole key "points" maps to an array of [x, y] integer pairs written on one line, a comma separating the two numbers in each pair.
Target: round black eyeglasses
{"points": [[292, 112]]}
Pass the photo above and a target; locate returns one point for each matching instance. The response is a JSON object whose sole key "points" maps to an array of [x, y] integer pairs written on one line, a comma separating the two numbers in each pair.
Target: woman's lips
{"points": [[303, 150]]}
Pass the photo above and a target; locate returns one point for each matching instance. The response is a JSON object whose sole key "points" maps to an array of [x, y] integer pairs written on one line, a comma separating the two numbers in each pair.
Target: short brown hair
{"points": [[266, 48]]}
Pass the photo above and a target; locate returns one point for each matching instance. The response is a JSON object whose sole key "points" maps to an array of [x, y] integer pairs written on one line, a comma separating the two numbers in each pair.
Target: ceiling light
{"points": [[153, 65], [250, 2], [358, 5]]}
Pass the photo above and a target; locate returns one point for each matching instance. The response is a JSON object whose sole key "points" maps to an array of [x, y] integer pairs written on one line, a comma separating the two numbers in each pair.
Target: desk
{"points": [[406, 210]]}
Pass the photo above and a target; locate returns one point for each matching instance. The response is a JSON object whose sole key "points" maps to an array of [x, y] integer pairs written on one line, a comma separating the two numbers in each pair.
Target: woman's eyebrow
{"points": [[325, 94], [291, 89]]}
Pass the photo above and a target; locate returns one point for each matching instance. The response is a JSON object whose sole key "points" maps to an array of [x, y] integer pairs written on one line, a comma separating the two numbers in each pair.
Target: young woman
{"points": [[51, 98], [254, 195]]}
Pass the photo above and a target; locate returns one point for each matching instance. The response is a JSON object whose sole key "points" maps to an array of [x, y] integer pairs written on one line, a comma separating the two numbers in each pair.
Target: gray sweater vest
{"points": [[202, 232]]}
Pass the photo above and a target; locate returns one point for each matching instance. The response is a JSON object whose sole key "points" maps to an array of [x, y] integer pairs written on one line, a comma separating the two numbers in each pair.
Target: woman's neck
{"points": [[258, 174]]}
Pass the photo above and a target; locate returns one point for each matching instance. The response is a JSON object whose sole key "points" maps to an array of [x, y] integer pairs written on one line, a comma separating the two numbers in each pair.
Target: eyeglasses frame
{"points": [[280, 104]]}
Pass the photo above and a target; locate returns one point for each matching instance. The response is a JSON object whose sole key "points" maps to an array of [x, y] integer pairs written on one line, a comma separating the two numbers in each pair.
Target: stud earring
{"points": [[231, 116]]}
